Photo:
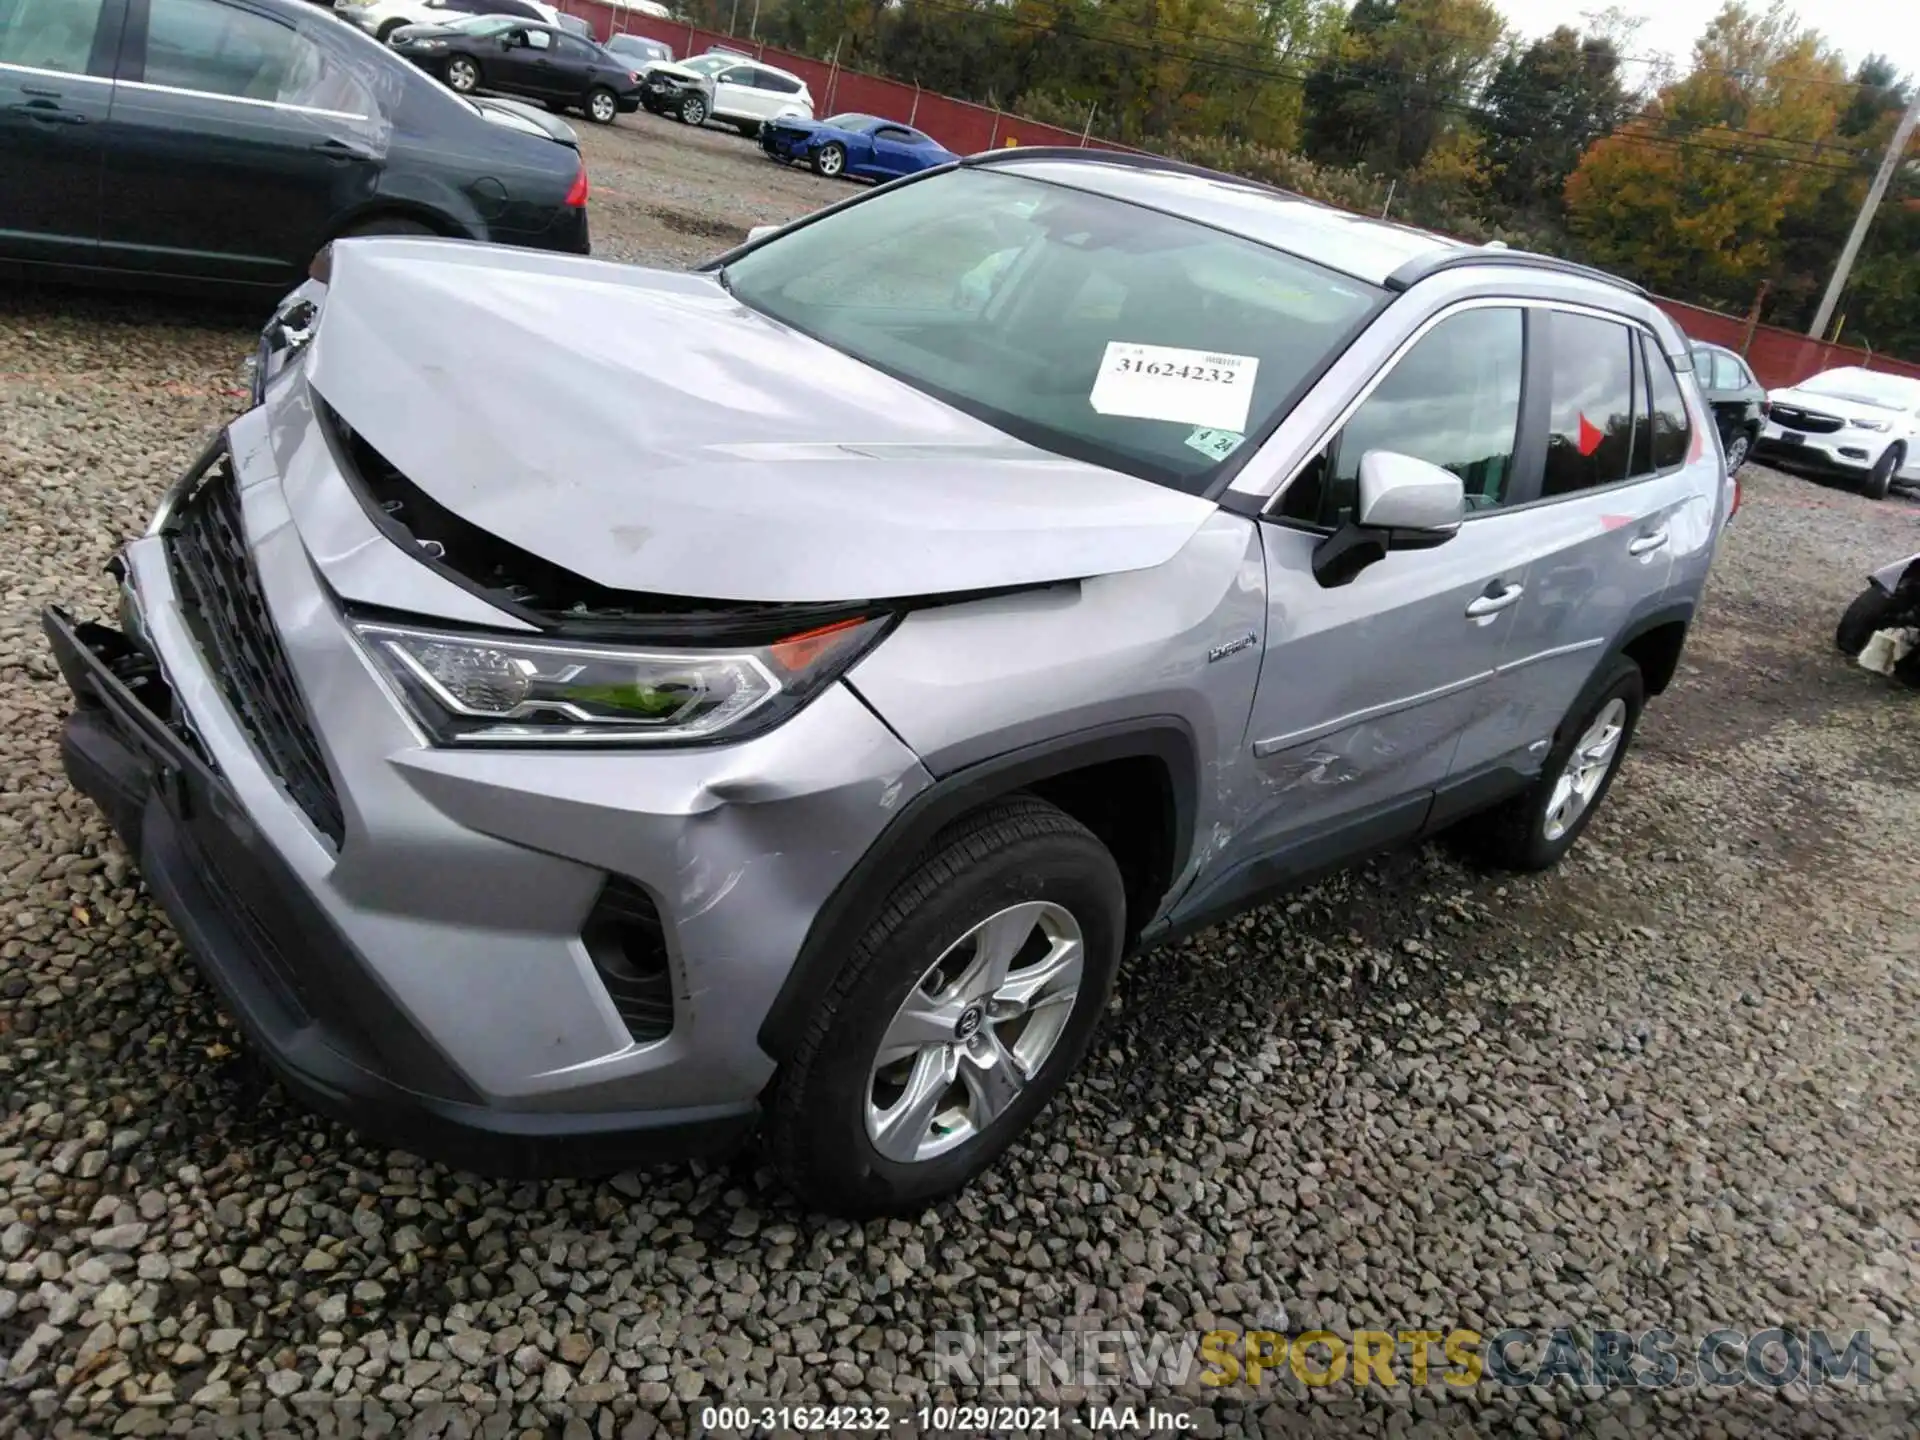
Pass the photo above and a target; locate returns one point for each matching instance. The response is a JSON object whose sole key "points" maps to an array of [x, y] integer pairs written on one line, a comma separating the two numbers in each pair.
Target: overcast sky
{"points": [[1858, 27]]}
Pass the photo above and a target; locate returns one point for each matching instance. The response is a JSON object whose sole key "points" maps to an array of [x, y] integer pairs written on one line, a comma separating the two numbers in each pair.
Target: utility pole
{"points": [[1890, 162]]}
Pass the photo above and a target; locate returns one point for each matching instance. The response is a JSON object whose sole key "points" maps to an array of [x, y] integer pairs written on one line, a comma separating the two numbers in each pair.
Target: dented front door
{"points": [[1367, 687]]}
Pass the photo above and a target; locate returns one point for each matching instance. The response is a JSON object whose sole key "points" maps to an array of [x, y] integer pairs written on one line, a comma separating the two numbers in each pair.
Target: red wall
{"points": [[1779, 357]]}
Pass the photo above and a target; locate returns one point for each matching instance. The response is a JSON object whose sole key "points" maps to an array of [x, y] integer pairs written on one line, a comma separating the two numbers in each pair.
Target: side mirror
{"points": [[1404, 504], [1398, 492]]}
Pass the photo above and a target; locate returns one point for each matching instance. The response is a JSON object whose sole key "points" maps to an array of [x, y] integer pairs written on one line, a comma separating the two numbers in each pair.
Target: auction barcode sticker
{"points": [[1162, 382]]}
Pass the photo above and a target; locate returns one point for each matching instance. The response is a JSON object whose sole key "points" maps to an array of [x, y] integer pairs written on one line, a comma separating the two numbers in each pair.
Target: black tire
{"points": [[830, 160], [1739, 447], [1016, 850], [1870, 611], [748, 128], [1880, 479], [603, 106], [388, 225], [462, 75], [1513, 835], [693, 110]]}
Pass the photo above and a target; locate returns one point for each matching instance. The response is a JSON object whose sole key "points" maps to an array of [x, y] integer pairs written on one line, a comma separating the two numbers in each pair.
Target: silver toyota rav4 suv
{"points": [[562, 753]]}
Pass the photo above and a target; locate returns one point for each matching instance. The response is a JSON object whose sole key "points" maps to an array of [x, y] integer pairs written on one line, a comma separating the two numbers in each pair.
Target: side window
{"points": [[538, 40], [1672, 430], [1589, 403], [49, 34], [893, 133], [574, 50], [735, 76], [780, 84], [1453, 399], [1725, 374], [220, 49]]}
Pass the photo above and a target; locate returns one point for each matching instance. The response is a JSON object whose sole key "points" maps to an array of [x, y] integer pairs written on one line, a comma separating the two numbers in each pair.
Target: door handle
{"points": [[47, 112], [1647, 544], [339, 150], [1494, 601]]}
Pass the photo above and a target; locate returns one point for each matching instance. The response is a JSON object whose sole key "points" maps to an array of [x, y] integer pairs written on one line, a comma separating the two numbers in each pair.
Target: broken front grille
{"points": [[220, 594]]}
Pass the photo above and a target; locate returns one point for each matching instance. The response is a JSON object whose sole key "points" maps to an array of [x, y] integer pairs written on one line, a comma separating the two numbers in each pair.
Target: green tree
{"points": [[1543, 108], [1403, 73]]}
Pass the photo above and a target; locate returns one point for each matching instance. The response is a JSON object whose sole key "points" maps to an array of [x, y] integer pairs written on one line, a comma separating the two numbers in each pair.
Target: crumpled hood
{"points": [[645, 430]]}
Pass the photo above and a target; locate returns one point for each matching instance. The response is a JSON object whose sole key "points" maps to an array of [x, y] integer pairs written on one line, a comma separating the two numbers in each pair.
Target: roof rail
{"points": [[1413, 271], [1133, 159]]}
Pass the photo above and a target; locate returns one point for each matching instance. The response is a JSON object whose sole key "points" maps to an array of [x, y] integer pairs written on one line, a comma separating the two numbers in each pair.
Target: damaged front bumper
{"points": [[454, 956]]}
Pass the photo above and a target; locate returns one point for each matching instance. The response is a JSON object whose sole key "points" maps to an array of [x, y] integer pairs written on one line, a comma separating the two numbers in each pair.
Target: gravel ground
{"points": [[1672, 1084]]}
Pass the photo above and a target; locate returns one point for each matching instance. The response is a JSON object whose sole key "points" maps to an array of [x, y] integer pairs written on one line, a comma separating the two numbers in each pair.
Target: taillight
{"points": [[1734, 508], [577, 196]]}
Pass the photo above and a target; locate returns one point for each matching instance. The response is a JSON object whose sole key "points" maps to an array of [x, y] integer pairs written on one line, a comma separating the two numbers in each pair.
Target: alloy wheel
{"points": [[974, 1030], [1586, 769], [831, 161], [694, 112], [1736, 453], [602, 108], [461, 74]]}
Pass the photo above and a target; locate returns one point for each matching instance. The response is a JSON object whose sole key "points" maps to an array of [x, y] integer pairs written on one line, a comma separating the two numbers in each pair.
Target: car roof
{"points": [[1381, 252]]}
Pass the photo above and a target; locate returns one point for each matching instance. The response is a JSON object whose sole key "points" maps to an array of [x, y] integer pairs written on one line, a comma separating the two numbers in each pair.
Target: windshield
{"points": [[710, 64], [858, 124], [1888, 392], [1083, 324]]}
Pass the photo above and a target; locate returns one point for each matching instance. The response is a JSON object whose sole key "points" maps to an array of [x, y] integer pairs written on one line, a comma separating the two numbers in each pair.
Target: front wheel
{"points": [[1880, 479], [462, 74], [693, 110], [1870, 611], [956, 1017], [830, 159], [1535, 828], [602, 105]]}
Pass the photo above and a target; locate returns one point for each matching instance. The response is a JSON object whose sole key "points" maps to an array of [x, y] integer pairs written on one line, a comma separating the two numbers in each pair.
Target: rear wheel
{"points": [[1737, 449], [693, 110], [959, 1013], [389, 225], [1534, 829], [1880, 479], [462, 74], [830, 159], [602, 105], [1870, 611]]}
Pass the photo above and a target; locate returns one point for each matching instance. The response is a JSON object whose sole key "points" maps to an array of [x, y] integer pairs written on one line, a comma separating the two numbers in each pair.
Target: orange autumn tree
{"points": [[1691, 194]]}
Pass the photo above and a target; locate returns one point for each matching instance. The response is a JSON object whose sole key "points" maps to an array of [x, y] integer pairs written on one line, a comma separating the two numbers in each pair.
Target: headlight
{"points": [[467, 688], [428, 44], [1871, 424]]}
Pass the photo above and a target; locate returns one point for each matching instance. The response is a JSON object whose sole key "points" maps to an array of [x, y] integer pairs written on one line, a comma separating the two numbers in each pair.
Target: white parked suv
{"points": [[1860, 424], [725, 86]]}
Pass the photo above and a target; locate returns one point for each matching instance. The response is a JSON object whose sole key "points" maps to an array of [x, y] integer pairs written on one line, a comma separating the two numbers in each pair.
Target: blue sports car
{"points": [[851, 144]]}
